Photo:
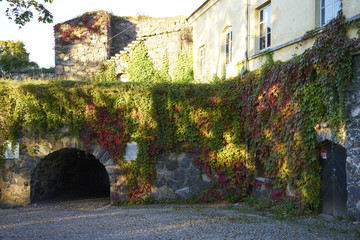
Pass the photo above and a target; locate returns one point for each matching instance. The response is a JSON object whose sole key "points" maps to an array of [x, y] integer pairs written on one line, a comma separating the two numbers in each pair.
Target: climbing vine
{"points": [[266, 117], [79, 28]]}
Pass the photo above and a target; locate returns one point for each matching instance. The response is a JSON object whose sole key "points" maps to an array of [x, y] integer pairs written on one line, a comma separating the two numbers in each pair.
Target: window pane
{"points": [[261, 15], [262, 43], [337, 7], [269, 16], [269, 40], [262, 29], [328, 14], [325, 3]]}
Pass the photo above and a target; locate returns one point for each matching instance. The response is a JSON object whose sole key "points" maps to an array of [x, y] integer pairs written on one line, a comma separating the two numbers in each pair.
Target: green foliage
{"points": [[14, 57], [140, 67], [267, 116], [106, 73], [164, 71], [18, 10], [183, 72]]}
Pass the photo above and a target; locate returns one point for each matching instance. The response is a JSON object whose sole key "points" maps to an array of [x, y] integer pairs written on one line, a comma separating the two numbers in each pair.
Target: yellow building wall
{"points": [[209, 31], [290, 20]]}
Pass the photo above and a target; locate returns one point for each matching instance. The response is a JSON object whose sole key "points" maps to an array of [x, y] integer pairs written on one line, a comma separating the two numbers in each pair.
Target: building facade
{"points": [[233, 35]]}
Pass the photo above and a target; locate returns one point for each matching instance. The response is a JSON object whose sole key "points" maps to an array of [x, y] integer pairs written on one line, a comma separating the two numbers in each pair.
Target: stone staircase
{"points": [[120, 61]]}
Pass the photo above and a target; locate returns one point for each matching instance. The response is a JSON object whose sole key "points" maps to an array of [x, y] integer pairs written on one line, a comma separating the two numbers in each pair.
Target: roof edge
{"points": [[197, 13]]}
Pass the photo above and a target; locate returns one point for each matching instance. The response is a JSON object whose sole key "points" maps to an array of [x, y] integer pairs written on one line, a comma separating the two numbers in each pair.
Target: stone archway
{"points": [[69, 173]]}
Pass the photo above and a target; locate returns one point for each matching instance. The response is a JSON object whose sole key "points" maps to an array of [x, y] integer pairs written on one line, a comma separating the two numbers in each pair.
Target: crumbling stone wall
{"points": [[78, 54], [160, 35]]}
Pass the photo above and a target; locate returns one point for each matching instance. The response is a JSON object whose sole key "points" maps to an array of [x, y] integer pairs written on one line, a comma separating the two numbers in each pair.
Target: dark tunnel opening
{"points": [[69, 173]]}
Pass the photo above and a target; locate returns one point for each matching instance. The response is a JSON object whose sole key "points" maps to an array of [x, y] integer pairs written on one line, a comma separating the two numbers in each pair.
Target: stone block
{"points": [[180, 175], [185, 163], [59, 69], [159, 166], [160, 182], [164, 174], [163, 193], [172, 165], [354, 192], [183, 194], [173, 184], [205, 178]]}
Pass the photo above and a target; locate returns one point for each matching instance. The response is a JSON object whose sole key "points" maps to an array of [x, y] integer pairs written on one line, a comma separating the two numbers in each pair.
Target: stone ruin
{"points": [[81, 57]]}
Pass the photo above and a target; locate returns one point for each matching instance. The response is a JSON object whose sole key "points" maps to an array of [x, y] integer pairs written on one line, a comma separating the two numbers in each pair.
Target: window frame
{"points": [[202, 59], [334, 12], [228, 46], [265, 19]]}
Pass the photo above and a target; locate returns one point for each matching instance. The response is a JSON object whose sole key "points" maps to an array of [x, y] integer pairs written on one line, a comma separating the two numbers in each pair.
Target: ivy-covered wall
{"points": [[267, 119]]}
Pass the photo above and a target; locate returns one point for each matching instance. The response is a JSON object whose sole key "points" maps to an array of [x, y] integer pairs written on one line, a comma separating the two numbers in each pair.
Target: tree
{"points": [[14, 57], [18, 11]]}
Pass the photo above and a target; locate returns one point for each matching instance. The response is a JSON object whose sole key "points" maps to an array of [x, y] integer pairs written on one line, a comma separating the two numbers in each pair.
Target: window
{"points": [[202, 60], [265, 27], [228, 46], [328, 10]]}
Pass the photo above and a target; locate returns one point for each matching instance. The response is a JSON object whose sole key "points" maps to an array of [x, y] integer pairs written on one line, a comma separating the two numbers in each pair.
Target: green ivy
{"points": [[267, 116]]}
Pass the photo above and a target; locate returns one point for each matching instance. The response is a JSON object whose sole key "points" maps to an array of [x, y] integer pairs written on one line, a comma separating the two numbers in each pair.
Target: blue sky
{"points": [[38, 37]]}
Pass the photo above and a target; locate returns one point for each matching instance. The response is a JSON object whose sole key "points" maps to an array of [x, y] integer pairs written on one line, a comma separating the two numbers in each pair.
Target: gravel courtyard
{"points": [[96, 219]]}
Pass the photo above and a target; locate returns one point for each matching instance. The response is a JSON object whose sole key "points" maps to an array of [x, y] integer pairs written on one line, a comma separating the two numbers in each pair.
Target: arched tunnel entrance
{"points": [[69, 173]]}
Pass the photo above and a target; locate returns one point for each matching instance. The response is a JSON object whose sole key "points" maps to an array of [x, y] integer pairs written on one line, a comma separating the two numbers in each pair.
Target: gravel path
{"points": [[96, 219]]}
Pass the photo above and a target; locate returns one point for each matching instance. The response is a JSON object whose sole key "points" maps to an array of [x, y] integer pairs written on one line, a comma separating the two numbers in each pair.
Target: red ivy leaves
{"points": [[79, 28]]}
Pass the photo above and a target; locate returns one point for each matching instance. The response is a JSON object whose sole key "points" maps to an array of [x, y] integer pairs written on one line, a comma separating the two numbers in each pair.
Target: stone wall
{"points": [[161, 36], [178, 177], [81, 58], [36, 173], [353, 143], [349, 138], [17, 174]]}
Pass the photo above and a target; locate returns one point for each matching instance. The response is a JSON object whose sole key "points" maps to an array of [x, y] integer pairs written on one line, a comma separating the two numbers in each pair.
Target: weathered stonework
{"points": [[17, 175], [353, 142], [178, 178], [170, 36], [81, 58], [27, 179], [349, 138]]}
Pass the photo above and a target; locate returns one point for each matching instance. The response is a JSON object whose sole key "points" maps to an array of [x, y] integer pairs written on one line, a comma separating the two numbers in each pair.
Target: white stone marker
{"points": [[131, 151], [12, 153]]}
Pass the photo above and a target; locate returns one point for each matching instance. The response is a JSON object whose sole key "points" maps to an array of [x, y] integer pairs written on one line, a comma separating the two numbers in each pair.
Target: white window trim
{"points": [[333, 13], [266, 17], [228, 49], [202, 59]]}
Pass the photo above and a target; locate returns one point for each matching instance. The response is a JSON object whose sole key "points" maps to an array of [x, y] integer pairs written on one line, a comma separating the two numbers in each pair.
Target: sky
{"points": [[39, 39]]}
